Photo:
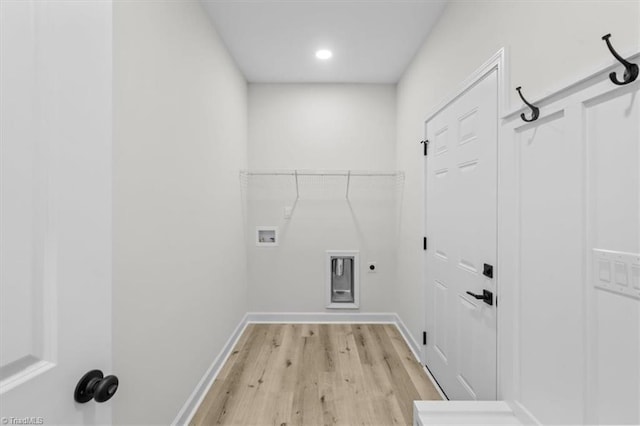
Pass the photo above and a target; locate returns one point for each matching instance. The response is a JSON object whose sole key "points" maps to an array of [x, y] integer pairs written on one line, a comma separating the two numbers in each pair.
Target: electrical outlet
{"points": [[372, 267]]}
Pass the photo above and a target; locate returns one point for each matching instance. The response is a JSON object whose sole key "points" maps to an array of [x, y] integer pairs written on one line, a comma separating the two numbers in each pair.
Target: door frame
{"points": [[498, 63]]}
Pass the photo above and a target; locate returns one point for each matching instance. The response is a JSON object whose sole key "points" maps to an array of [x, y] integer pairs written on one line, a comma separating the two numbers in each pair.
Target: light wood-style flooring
{"points": [[317, 374]]}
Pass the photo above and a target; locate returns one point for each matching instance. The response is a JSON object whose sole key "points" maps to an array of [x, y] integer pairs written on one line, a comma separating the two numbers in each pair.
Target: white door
{"points": [[55, 208], [461, 185]]}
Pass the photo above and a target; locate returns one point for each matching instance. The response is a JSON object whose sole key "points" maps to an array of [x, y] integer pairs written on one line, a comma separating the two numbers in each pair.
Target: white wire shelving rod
{"points": [[346, 173], [297, 174]]}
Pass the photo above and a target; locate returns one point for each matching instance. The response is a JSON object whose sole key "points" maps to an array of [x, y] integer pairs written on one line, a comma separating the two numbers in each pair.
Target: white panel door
{"points": [[55, 208], [461, 185]]}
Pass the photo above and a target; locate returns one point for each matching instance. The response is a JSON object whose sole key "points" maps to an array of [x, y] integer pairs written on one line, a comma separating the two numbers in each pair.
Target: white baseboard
{"points": [[415, 349], [197, 396], [321, 317], [408, 337]]}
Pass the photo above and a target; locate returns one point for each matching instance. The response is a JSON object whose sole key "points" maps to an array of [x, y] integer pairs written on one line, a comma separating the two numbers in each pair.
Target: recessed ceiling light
{"points": [[324, 54]]}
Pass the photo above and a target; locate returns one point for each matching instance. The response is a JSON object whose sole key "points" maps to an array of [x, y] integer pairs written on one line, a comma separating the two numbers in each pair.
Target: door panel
{"points": [[467, 330], [55, 207], [440, 344], [461, 179]]}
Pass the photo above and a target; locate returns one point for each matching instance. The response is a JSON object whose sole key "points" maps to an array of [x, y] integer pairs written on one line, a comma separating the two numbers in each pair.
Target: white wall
{"points": [[179, 260], [322, 126], [572, 327], [549, 43], [331, 127]]}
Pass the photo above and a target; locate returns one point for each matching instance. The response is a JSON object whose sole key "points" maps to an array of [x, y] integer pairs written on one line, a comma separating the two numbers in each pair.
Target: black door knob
{"points": [[94, 385]]}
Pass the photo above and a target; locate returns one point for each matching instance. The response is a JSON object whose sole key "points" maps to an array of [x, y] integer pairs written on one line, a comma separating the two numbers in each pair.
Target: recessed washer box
{"points": [[266, 236], [342, 272]]}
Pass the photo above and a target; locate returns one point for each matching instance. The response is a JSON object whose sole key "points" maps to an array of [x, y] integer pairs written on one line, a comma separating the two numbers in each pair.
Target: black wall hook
{"points": [[535, 111], [630, 70]]}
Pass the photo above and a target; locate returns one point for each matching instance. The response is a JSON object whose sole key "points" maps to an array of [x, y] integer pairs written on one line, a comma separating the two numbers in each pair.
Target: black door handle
{"points": [[486, 296], [94, 385]]}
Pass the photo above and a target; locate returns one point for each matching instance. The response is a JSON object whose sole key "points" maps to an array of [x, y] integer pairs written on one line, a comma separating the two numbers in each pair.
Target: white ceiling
{"points": [[372, 41]]}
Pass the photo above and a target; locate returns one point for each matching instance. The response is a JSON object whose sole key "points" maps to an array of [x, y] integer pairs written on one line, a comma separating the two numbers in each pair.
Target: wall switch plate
{"points": [[372, 267]]}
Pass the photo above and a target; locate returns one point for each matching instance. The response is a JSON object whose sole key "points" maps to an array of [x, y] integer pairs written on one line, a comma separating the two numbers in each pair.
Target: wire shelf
{"points": [[320, 184]]}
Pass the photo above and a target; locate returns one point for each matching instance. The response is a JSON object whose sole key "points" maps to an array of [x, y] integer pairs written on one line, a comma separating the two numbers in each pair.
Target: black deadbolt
{"points": [[487, 271], [94, 385]]}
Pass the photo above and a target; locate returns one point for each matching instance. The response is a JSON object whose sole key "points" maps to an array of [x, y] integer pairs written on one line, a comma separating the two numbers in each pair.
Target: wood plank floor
{"points": [[317, 374]]}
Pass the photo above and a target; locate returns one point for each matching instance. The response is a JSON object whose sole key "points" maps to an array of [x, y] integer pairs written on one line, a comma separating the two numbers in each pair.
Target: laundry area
{"points": [[306, 212]]}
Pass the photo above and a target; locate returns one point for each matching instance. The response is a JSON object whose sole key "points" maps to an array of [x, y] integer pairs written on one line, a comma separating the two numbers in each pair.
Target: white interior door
{"points": [[461, 197], [55, 211]]}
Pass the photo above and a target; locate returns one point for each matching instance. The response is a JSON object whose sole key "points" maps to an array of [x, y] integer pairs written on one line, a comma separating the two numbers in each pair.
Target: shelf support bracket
{"points": [[348, 183]]}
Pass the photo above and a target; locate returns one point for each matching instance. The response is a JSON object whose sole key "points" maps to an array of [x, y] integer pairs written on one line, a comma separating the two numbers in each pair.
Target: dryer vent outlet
{"points": [[342, 278]]}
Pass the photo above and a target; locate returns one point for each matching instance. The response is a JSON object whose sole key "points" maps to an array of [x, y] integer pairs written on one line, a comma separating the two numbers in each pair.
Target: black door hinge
{"points": [[424, 243], [426, 146], [424, 338]]}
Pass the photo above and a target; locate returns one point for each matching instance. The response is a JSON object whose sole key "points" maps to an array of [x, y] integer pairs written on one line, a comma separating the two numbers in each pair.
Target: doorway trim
{"points": [[498, 63]]}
